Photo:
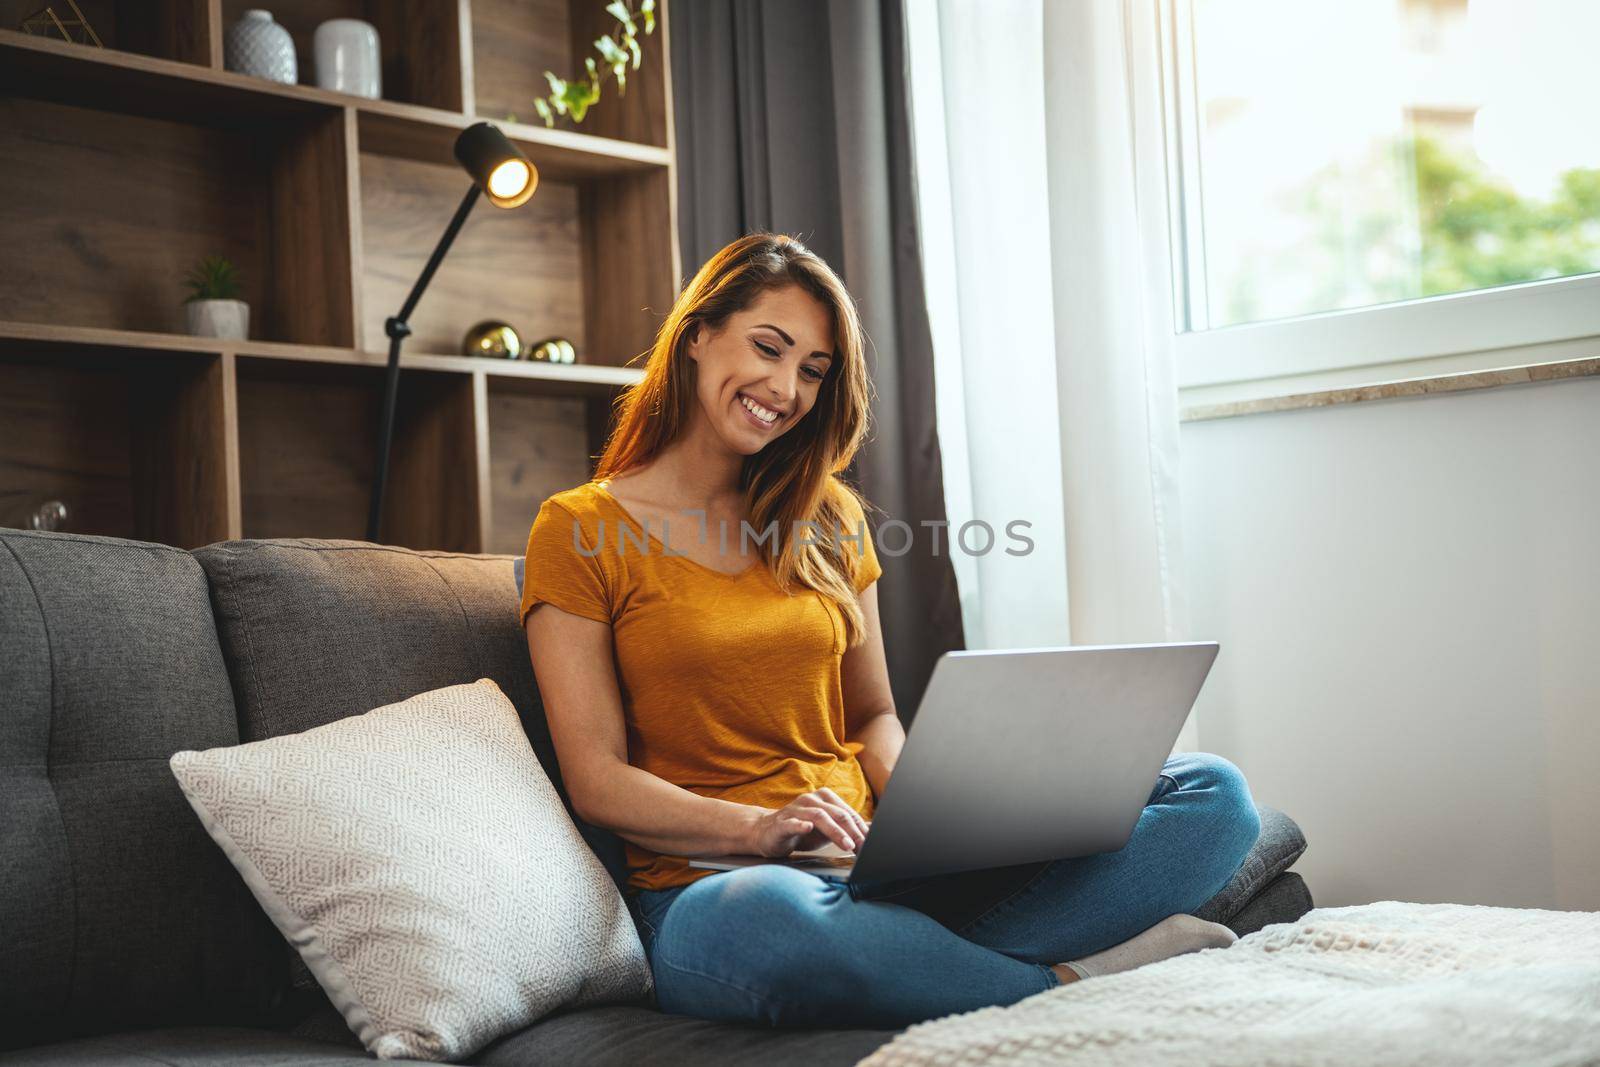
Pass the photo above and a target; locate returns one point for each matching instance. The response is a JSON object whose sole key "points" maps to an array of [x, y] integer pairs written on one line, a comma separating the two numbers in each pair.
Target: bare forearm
{"points": [[881, 738], [655, 814]]}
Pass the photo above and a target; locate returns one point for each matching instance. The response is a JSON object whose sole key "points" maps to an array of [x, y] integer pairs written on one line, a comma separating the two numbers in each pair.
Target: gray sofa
{"points": [[128, 938]]}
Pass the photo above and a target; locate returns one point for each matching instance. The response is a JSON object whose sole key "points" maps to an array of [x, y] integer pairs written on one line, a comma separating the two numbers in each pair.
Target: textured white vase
{"points": [[229, 319], [257, 46], [346, 56]]}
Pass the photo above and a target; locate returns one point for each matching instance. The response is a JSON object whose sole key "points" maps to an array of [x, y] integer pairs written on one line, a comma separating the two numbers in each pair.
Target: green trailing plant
{"points": [[617, 50], [213, 278]]}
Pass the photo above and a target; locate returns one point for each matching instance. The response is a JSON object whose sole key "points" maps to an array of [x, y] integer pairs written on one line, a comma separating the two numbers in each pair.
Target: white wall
{"points": [[1407, 595]]}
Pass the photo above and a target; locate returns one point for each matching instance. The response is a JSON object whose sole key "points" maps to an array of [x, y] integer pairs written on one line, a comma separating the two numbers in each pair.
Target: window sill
{"points": [[1194, 409]]}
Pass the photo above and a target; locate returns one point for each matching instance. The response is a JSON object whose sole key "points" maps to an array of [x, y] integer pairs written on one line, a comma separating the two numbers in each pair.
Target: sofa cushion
{"points": [[633, 1036], [315, 630], [201, 1046], [1279, 844], [116, 909], [642, 1037], [637, 1035], [419, 859], [1285, 900]]}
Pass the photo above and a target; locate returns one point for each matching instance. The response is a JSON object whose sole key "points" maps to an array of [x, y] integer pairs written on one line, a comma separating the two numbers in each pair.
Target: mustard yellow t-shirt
{"points": [[730, 687]]}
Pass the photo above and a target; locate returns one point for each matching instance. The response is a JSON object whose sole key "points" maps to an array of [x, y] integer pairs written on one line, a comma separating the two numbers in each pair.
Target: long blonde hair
{"points": [[794, 478]]}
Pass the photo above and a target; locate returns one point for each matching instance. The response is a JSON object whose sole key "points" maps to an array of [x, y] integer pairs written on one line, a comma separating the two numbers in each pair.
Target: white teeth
{"points": [[764, 414]]}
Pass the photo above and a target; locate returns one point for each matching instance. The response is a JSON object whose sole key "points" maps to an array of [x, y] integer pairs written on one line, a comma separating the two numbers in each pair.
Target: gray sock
{"points": [[1172, 936]]}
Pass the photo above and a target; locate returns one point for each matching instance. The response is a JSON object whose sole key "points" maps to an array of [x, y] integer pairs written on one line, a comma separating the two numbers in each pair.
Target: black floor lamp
{"points": [[508, 179]]}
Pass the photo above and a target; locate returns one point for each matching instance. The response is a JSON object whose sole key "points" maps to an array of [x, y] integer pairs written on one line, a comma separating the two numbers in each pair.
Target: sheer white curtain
{"points": [[1047, 267]]}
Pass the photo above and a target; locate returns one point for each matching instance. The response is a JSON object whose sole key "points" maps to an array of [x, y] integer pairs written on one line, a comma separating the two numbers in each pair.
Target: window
{"points": [[1380, 155]]}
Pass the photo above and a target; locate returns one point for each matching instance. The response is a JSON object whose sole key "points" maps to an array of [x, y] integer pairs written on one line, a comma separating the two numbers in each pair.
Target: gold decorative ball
{"points": [[554, 350], [494, 339]]}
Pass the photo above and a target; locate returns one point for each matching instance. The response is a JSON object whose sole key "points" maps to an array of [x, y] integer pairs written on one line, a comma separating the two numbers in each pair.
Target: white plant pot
{"points": [[229, 319]]}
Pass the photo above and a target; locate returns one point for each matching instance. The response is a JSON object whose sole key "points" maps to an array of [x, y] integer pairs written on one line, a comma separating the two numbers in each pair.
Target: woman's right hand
{"points": [[807, 822]]}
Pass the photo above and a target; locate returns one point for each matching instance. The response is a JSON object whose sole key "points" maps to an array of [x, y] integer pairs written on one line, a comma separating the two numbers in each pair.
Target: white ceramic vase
{"points": [[346, 58], [229, 319], [257, 46]]}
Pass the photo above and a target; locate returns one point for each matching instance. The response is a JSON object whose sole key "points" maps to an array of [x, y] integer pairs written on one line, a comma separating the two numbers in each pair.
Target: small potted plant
{"points": [[213, 307]]}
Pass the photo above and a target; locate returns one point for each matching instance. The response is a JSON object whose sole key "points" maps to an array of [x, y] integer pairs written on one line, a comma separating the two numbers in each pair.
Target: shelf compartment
{"points": [[419, 43], [538, 444], [308, 452], [515, 41], [630, 263], [135, 447], [132, 203], [523, 266], [179, 30]]}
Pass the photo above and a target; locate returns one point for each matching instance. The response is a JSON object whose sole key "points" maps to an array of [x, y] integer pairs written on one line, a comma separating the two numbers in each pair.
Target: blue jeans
{"points": [[775, 945]]}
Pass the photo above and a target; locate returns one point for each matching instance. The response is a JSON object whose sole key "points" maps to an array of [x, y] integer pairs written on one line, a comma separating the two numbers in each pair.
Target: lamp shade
{"points": [[503, 173]]}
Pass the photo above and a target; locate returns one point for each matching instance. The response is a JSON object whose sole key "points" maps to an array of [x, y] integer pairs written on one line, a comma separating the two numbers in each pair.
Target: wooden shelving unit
{"points": [[120, 167]]}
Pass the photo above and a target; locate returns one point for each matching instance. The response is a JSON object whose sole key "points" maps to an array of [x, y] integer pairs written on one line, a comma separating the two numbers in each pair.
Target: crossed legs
{"points": [[775, 945]]}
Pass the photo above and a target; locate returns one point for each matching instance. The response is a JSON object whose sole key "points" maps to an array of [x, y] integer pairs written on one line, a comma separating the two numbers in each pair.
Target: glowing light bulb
{"points": [[509, 179]]}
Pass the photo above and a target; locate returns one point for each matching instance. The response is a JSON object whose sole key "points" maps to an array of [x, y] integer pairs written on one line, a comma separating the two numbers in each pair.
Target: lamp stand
{"points": [[398, 328]]}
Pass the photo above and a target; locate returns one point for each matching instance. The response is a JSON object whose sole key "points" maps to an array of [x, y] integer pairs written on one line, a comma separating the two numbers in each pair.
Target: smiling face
{"points": [[761, 372]]}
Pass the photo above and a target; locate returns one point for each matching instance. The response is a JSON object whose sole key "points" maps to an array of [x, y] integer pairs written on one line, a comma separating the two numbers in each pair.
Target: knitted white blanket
{"points": [[1387, 983]]}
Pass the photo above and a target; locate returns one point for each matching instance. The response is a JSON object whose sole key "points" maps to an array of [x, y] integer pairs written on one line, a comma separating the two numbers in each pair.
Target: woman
{"points": [[713, 673]]}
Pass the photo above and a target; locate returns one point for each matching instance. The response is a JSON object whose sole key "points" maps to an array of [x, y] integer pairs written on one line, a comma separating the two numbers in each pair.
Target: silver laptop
{"points": [[1021, 755]]}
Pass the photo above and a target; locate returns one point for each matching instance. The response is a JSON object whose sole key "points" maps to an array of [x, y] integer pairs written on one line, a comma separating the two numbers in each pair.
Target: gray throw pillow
{"points": [[420, 861]]}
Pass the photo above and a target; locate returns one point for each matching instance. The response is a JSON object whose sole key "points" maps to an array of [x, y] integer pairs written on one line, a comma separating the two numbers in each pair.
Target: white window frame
{"points": [[1514, 325]]}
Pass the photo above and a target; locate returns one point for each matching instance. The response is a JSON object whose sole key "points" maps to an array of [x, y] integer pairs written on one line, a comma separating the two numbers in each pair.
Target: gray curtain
{"points": [[793, 117]]}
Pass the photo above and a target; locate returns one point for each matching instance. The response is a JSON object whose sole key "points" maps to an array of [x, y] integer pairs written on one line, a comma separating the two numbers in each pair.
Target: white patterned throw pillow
{"points": [[422, 864]]}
